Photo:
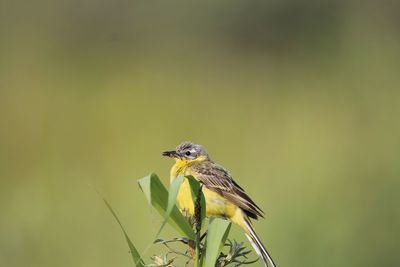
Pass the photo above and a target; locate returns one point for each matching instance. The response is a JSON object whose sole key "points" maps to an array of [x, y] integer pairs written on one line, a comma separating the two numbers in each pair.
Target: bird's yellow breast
{"points": [[216, 205]]}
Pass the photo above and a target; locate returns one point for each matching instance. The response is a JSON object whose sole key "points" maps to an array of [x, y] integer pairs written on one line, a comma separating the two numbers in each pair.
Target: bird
{"points": [[223, 196]]}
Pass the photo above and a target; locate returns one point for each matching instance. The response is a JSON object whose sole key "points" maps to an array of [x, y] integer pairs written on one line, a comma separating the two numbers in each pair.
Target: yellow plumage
{"points": [[216, 205], [223, 196]]}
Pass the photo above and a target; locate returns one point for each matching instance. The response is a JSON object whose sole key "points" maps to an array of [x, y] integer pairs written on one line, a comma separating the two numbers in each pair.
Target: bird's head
{"points": [[187, 151]]}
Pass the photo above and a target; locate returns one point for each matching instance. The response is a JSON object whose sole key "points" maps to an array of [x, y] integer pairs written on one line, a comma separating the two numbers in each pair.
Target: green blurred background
{"points": [[299, 99]]}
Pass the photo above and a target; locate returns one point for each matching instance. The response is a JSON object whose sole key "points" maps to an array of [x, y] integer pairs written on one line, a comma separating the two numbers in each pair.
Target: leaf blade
{"points": [[137, 259], [172, 194], [218, 230], [157, 196]]}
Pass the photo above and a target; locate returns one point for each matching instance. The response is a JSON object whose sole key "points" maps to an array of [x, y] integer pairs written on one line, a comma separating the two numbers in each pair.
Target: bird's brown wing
{"points": [[217, 179]]}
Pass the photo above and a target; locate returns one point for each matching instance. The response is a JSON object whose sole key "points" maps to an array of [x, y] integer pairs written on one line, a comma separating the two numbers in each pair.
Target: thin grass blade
{"points": [[133, 251]]}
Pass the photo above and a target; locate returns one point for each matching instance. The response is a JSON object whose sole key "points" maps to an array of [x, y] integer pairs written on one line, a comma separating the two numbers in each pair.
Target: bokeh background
{"points": [[299, 99]]}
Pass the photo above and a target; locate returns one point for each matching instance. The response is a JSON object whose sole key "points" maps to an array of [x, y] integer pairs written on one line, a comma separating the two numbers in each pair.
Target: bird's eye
{"points": [[188, 153]]}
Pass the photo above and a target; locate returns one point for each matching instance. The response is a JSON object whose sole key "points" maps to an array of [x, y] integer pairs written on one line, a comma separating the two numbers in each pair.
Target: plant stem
{"points": [[197, 225]]}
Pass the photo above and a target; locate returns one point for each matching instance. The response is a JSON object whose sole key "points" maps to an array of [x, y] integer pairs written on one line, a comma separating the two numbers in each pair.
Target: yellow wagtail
{"points": [[224, 197]]}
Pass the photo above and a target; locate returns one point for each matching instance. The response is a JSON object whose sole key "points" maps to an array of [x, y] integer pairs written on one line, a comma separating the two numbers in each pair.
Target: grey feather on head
{"points": [[191, 151]]}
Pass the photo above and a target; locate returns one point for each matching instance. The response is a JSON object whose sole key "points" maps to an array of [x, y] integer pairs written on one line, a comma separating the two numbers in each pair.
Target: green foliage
{"points": [[218, 231], [157, 196], [172, 195], [236, 255], [204, 250], [135, 254]]}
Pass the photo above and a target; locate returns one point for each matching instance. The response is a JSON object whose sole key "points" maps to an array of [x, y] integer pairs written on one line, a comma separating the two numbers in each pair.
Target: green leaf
{"points": [[135, 254], [172, 194], [157, 196], [218, 230]]}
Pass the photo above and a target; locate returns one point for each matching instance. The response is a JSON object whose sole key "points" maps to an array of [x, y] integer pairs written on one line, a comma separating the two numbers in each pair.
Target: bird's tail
{"points": [[258, 246]]}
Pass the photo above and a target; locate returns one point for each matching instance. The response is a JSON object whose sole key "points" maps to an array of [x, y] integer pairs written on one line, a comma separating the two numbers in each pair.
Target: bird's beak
{"points": [[171, 154]]}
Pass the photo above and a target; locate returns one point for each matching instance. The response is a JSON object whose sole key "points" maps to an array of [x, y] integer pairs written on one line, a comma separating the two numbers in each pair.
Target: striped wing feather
{"points": [[217, 179]]}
